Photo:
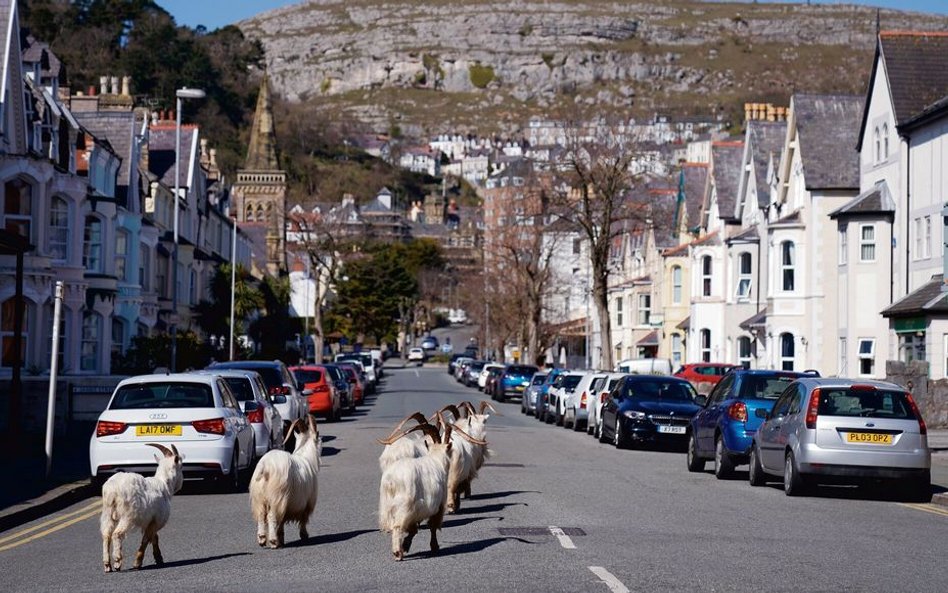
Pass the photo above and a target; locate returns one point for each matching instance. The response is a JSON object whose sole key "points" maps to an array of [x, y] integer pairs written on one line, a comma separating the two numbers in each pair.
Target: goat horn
{"points": [[446, 437], [311, 423], [487, 404], [428, 429], [175, 450], [466, 436], [164, 450], [289, 432], [468, 409], [417, 417], [453, 409]]}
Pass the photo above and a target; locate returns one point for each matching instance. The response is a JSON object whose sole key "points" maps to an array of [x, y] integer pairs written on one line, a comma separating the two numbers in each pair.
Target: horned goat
{"points": [[132, 500], [414, 444], [414, 490], [467, 456], [284, 486]]}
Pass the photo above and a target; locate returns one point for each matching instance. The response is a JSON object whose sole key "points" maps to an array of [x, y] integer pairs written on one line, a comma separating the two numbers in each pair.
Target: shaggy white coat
{"points": [[284, 489], [414, 490], [132, 500], [466, 459]]}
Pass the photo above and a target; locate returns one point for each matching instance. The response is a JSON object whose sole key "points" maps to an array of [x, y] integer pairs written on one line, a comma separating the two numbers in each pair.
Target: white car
{"points": [[482, 377], [594, 422], [197, 413], [576, 404], [251, 393], [562, 389], [416, 355]]}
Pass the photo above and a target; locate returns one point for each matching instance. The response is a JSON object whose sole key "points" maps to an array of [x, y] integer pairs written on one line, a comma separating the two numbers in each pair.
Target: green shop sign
{"points": [[910, 324]]}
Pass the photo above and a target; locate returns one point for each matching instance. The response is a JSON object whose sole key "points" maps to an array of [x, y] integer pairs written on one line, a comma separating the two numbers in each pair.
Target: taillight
{"points": [[602, 397], [582, 401], [105, 428], [212, 426], [812, 409], [321, 389], [922, 429], [255, 416], [737, 411]]}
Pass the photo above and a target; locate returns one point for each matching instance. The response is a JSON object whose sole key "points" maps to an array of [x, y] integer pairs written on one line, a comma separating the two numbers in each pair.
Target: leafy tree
{"points": [[272, 330], [213, 316]]}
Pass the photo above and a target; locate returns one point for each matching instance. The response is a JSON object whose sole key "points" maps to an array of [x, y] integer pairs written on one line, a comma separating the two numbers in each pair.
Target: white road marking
{"points": [[416, 372], [565, 541], [614, 584]]}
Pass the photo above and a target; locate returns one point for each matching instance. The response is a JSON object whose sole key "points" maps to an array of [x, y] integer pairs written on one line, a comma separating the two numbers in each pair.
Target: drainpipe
{"points": [[908, 206]]}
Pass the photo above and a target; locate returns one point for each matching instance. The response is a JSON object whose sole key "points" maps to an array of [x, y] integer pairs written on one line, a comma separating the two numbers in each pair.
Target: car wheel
{"points": [[232, 481], [576, 425], [618, 438], [794, 484], [590, 427], [756, 474], [599, 432], [695, 463], [723, 464]]}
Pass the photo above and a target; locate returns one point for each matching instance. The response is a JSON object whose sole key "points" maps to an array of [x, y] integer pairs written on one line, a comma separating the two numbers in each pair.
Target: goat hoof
{"points": [[108, 568], [262, 541], [398, 555], [273, 544]]}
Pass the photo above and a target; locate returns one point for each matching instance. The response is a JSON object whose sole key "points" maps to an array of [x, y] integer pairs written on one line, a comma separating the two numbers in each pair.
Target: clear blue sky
{"points": [[218, 13]]}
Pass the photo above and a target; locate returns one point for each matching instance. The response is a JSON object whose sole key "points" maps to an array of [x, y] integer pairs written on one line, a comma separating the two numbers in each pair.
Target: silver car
{"points": [[528, 403], [251, 393], [843, 430]]}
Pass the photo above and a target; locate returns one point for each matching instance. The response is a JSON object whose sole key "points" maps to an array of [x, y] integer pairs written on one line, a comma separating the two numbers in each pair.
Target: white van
{"points": [[645, 366]]}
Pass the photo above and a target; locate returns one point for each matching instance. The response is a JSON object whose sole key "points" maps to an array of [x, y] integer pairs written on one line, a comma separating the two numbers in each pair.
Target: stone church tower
{"points": [[259, 194]]}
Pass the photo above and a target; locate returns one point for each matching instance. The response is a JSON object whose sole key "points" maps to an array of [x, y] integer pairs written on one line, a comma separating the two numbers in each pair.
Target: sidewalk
{"points": [[28, 494]]}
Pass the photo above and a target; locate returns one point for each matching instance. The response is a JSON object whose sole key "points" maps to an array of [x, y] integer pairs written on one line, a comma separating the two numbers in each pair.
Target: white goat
{"points": [[411, 444], [468, 456], [132, 500], [414, 490], [284, 486]]}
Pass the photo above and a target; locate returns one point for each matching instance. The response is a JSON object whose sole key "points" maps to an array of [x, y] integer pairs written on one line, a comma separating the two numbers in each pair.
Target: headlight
{"points": [[634, 415]]}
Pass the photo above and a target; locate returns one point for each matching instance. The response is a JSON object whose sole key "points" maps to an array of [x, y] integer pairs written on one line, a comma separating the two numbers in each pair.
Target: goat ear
{"points": [[157, 459], [426, 444]]}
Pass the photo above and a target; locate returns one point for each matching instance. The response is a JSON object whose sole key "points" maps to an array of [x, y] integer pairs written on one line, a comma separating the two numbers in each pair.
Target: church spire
{"points": [[261, 155]]}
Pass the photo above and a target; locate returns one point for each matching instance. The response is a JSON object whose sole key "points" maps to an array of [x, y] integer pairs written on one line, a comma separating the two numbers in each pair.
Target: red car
{"points": [[705, 374], [319, 391]]}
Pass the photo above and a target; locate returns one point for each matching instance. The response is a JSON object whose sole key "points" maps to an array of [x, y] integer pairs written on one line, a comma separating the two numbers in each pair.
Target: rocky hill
{"points": [[489, 65]]}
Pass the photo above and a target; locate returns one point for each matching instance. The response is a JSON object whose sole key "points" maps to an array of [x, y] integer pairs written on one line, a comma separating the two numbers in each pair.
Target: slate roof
{"points": [[758, 319], [693, 181], [937, 110], [685, 324], [118, 127], [765, 139], [827, 129], [726, 160], [929, 299], [917, 68], [651, 339], [161, 152], [875, 200], [749, 235], [35, 51]]}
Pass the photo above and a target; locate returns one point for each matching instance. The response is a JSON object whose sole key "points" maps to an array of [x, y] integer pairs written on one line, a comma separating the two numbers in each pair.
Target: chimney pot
{"points": [[126, 86], [115, 85], [91, 90], [103, 85]]}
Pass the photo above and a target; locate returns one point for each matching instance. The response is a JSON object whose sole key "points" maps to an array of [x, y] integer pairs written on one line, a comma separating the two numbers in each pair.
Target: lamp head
{"points": [[186, 93]]}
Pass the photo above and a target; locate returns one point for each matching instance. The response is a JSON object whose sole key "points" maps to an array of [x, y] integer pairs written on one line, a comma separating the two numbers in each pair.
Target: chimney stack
{"points": [[126, 86], [103, 85]]}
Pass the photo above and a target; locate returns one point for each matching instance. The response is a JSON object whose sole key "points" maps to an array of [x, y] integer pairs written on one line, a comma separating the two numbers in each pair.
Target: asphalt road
{"points": [[630, 520]]}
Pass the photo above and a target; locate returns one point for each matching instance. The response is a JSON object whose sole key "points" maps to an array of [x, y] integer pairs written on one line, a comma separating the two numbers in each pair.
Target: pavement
{"points": [[32, 494]]}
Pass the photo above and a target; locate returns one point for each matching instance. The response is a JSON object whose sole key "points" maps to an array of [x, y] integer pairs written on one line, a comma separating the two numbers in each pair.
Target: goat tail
{"points": [[109, 517]]}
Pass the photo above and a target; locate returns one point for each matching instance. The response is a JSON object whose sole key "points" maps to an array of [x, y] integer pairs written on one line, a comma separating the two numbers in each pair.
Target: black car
{"points": [[648, 408], [339, 379]]}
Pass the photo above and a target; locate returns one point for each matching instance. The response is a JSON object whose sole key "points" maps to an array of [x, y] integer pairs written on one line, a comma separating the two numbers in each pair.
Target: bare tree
{"points": [[522, 251], [596, 183]]}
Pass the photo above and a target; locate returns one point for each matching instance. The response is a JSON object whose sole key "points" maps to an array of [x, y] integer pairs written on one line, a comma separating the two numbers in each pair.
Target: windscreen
{"points": [[661, 390], [521, 370], [865, 403], [571, 381], [538, 379], [305, 376], [241, 388], [162, 395], [477, 366], [271, 376], [764, 386]]}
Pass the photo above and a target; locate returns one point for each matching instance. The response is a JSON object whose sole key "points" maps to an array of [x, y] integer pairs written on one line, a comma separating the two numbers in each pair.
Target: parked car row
{"points": [[222, 419], [795, 426]]}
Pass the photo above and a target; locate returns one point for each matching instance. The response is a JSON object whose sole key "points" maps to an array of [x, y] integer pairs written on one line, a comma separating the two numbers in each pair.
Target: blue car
{"points": [[648, 409], [543, 394], [724, 429], [514, 381]]}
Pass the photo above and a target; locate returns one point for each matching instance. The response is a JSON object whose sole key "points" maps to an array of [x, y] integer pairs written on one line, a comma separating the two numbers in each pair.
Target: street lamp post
{"points": [[180, 95], [233, 284]]}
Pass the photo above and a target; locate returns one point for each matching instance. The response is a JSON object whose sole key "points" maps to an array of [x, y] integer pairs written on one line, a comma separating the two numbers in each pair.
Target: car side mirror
{"points": [[701, 400], [249, 406], [762, 413], [307, 392], [278, 398]]}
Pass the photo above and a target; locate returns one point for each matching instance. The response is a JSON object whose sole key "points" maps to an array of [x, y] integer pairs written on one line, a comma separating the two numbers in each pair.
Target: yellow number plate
{"points": [[869, 438], [158, 430]]}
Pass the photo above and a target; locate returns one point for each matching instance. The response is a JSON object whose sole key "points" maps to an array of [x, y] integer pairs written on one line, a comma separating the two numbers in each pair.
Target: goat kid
{"points": [[284, 486], [132, 500]]}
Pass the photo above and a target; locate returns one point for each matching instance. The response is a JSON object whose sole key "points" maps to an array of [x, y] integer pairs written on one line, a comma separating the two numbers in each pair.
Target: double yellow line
{"points": [[928, 508], [50, 526]]}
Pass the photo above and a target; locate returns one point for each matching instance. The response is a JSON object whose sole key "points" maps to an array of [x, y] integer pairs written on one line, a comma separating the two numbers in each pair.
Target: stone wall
{"points": [[930, 395], [77, 399]]}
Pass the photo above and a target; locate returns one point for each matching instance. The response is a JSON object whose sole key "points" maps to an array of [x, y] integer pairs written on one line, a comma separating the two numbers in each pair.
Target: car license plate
{"points": [[671, 429], [869, 438], [520, 388], [158, 430]]}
